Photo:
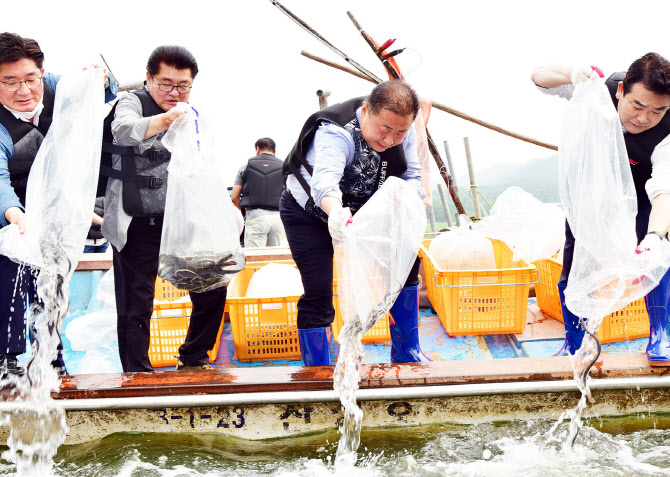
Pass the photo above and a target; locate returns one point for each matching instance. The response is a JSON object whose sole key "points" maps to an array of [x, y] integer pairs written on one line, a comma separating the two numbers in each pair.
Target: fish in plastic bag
{"points": [[378, 251], [598, 197], [200, 245], [60, 194]]}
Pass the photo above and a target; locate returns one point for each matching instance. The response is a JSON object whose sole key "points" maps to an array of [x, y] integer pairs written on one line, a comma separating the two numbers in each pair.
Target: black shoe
{"points": [[10, 366], [185, 367]]}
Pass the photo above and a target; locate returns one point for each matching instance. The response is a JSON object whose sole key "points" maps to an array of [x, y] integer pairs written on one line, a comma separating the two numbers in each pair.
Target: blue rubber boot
{"points": [[574, 334], [658, 348], [405, 331], [315, 346]]}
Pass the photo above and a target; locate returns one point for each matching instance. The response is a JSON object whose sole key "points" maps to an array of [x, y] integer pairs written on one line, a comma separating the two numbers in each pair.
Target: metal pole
{"points": [[323, 98], [473, 185], [431, 216], [385, 394], [445, 204]]}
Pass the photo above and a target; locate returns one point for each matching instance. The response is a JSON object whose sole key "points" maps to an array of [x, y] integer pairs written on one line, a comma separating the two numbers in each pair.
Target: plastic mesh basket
{"points": [[628, 323], [477, 302], [168, 328]]}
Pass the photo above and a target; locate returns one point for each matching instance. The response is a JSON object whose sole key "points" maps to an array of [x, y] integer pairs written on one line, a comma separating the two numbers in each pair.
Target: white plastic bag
{"points": [[275, 280], [598, 197], [532, 229], [463, 249], [378, 252], [63, 178], [95, 332], [200, 244]]}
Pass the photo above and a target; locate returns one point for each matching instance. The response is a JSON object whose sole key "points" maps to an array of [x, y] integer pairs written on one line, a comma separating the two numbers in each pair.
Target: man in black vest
{"points": [[342, 156], [134, 206], [27, 96], [257, 189], [642, 98]]}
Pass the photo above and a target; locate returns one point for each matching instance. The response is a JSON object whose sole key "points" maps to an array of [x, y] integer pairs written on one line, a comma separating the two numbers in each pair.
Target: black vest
{"points": [[144, 175], [640, 147], [263, 183], [392, 160], [27, 139]]}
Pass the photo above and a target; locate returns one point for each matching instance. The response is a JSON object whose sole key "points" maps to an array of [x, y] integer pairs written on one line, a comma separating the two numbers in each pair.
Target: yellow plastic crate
{"points": [[167, 291], [379, 332], [168, 328], [478, 302], [626, 324], [263, 328]]}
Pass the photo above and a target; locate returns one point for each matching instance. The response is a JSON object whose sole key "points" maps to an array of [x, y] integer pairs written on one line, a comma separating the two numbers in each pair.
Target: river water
{"points": [[634, 446]]}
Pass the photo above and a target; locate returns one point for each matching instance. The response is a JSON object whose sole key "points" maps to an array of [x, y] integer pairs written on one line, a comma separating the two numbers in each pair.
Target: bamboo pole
{"points": [[450, 164], [431, 217], [445, 204], [473, 186], [444, 108]]}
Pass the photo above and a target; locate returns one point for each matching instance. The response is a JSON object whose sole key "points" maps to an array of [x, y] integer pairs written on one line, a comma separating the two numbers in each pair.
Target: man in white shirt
{"points": [[642, 98]]}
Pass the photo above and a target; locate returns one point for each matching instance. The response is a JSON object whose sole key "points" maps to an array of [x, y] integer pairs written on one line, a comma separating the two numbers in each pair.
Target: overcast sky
{"points": [[472, 55]]}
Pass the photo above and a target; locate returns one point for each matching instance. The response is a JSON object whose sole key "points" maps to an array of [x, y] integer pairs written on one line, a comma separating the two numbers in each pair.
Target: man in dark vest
{"points": [[257, 189], [642, 98], [27, 96], [343, 155], [134, 206]]}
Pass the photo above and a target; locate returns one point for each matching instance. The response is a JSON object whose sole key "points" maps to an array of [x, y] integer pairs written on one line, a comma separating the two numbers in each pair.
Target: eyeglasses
{"points": [[32, 84], [167, 88]]}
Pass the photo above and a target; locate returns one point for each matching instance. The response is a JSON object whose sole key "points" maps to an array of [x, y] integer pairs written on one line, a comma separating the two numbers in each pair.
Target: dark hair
{"points": [[266, 144], [396, 96], [653, 71], [14, 48], [177, 57]]}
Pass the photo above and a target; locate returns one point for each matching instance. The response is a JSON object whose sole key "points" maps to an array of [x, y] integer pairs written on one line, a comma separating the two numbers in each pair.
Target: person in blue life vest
{"points": [[27, 96], [258, 186], [342, 156], [134, 210], [642, 98]]}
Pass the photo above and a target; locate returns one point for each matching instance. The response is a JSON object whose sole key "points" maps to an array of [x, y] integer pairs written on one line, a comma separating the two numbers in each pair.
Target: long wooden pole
{"points": [[444, 108]]}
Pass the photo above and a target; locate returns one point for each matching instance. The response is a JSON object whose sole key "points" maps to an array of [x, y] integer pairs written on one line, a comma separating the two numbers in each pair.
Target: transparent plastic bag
{"points": [[598, 197], [61, 187], [463, 249], [200, 246], [532, 229], [378, 251]]}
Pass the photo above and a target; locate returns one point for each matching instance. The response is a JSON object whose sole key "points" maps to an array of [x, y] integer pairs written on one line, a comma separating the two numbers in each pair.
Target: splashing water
{"points": [[582, 362], [346, 377], [37, 426]]}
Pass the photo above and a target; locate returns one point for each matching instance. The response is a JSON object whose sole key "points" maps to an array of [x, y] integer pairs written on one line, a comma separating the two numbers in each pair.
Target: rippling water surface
{"points": [[625, 446]]}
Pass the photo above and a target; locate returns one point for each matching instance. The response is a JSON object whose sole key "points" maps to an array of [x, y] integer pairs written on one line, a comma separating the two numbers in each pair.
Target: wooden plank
{"points": [[278, 379]]}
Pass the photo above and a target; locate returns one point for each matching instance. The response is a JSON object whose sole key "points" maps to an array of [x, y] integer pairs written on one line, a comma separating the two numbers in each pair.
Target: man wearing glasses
{"points": [[134, 206], [27, 97]]}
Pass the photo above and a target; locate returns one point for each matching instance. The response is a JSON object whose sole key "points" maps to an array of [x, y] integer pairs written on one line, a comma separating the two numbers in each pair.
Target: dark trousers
{"points": [[312, 249], [135, 270], [14, 290], [18, 288]]}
